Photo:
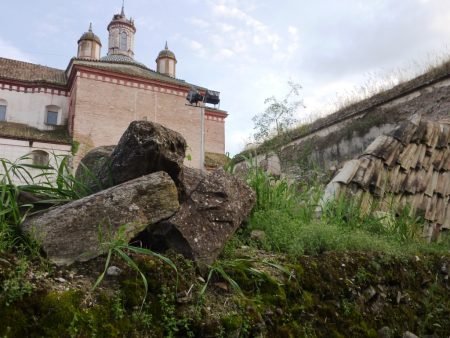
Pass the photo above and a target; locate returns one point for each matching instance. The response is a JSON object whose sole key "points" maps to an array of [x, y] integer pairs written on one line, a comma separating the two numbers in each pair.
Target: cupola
{"points": [[166, 62], [89, 45], [121, 35]]}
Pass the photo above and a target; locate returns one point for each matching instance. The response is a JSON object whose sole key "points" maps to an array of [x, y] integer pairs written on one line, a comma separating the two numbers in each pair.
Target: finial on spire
{"points": [[123, 8], [167, 47], [90, 27]]}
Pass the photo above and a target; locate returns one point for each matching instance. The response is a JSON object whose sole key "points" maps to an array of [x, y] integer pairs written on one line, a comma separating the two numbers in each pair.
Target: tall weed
{"points": [[38, 185], [287, 214]]}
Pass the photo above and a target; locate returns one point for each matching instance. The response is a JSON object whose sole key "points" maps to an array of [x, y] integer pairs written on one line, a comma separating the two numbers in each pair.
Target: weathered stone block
{"points": [[75, 231]]}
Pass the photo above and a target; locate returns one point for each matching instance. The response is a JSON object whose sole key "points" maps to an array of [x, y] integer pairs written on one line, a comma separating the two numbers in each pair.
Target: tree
{"points": [[279, 114]]}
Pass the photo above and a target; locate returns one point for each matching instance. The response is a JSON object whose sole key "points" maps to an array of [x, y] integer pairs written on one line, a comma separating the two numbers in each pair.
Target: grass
{"points": [[25, 188], [246, 285], [287, 214], [119, 247], [48, 186]]}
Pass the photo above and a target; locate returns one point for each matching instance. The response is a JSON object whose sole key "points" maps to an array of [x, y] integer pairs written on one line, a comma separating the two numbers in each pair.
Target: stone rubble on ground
{"points": [[214, 207], [409, 167], [144, 148], [151, 195], [77, 231]]}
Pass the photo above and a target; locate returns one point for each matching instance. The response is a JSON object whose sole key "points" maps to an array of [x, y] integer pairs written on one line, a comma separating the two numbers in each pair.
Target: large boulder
{"points": [[144, 148], [90, 166], [76, 231], [214, 207]]}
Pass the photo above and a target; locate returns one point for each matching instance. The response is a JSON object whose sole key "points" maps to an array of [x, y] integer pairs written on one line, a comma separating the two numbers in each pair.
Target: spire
{"points": [[166, 47], [90, 27], [122, 13]]}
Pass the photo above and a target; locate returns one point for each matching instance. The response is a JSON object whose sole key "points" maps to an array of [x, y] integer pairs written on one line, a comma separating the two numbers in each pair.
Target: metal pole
{"points": [[202, 138]]}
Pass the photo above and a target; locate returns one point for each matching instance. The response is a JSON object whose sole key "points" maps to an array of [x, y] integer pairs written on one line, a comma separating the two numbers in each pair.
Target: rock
{"points": [[258, 235], [444, 269], [144, 148], [91, 164], [75, 231], [369, 293], [399, 297], [215, 206], [385, 332], [25, 199], [113, 271], [408, 334]]}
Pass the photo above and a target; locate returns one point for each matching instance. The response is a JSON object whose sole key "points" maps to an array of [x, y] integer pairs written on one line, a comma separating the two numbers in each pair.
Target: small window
{"points": [[123, 41], [52, 118], [51, 115], [3, 105], [40, 157], [2, 112]]}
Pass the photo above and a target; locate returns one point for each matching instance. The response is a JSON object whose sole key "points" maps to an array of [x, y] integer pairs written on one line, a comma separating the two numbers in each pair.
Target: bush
{"points": [[286, 213]]}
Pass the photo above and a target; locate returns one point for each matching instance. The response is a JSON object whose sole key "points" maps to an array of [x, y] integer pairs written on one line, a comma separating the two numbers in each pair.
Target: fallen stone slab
{"points": [[215, 206], [90, 166], [75, 231], [144, 148]]}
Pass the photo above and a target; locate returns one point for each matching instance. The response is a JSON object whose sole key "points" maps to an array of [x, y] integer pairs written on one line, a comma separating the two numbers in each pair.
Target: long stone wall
{"points": [[328, 142]]}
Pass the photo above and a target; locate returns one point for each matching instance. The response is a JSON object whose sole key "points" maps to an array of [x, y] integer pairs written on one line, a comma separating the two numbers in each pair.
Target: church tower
{"points": [[121, 35], [89, 45], [166, 62]]}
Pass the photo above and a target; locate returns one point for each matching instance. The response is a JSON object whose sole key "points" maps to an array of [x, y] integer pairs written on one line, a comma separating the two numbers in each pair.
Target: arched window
{"points": [[51, 115], [123, 41], [3, 105], [40, 157]]}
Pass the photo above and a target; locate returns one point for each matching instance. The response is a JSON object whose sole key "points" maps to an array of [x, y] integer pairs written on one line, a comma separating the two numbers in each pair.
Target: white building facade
{"points": [[47, 112]]}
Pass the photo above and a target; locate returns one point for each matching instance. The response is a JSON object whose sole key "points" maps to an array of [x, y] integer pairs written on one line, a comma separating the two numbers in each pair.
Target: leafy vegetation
{"points": [[257, 288], [278, 115], [287, 212], [117, 245]]}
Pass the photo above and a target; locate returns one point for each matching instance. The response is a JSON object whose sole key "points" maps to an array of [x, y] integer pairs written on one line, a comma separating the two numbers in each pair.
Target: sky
{"points": [[249, 49]]}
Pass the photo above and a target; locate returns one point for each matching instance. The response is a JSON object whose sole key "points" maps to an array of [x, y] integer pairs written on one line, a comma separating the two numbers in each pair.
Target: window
{"points": [[3, 105], [40, 157], [51, 117], [2, 112], [123, 41]]}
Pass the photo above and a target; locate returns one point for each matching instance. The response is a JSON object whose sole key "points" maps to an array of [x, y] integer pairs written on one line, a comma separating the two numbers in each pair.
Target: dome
{"points": [[121, 19], [166, 52], [89, 35], [121, 59]]}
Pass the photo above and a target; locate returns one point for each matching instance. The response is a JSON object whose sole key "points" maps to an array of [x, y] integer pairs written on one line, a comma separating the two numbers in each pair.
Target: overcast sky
{"points": [[246, 49]]}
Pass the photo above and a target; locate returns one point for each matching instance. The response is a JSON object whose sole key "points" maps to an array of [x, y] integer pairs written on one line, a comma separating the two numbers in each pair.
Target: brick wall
{"points": [[214, 135], [104, 109]]}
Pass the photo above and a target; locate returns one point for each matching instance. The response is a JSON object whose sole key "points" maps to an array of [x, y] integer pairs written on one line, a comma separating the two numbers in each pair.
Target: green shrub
{"points": [[286, 213]]}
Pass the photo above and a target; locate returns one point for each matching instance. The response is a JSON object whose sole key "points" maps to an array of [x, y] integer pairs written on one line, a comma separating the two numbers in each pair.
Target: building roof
{"points": [[37, 74], [29, 72], [120, 58], [20, 131], [127, 66]]}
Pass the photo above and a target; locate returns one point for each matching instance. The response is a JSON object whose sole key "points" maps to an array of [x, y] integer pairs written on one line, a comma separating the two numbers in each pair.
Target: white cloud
{"points": [[237, 140], [254, 30], [9, 51], [223, 54], [199, 23], [197, 47], [226, 28]]}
